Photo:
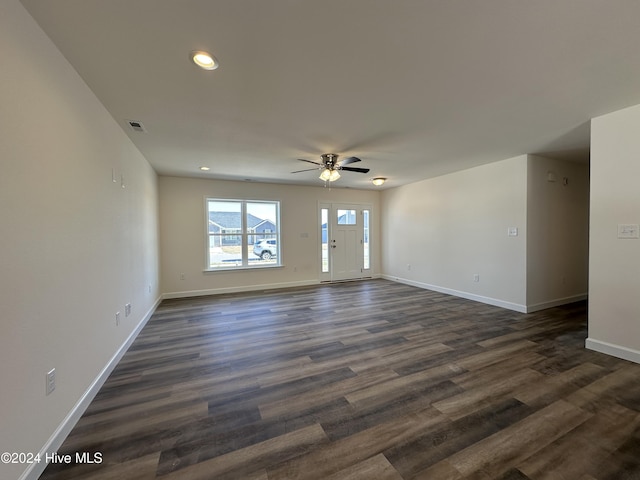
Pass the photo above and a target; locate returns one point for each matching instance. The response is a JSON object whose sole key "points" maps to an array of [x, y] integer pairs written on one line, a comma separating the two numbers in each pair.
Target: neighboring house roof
{"points": [[233, 220], [264, 222], [341, 220]]}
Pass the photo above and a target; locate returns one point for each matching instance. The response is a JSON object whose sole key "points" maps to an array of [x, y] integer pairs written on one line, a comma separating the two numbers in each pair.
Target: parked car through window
{"points": [[266, 249]]}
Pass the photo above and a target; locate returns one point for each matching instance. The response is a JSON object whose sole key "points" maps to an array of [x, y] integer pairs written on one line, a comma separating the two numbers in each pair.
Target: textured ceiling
{"points": [[414, 88]]}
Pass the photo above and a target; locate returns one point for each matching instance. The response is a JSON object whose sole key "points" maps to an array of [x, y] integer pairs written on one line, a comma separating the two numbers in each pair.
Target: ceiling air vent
{"points": [[136, 126]]}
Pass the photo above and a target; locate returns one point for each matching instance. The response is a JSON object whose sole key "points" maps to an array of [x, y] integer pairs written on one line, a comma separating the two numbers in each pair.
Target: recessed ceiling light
{"points": [[205, 169], [204, 60]]}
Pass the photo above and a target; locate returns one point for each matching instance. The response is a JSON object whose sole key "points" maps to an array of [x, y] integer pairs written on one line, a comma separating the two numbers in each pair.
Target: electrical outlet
{"points": [[182, 276], [117, 318], [127, 310], [476, 277], [408, 266], [51, 381]]}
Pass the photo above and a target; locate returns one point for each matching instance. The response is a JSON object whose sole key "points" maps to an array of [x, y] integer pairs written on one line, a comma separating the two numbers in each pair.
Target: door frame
{"points": [[328, 276]]}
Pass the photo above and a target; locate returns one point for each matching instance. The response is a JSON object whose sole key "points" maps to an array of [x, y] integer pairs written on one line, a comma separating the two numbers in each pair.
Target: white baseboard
{"points": [[457, 293], [488, 300], [60, 434], [556, 303], [613, 350], [243, 288], [253, 288]]}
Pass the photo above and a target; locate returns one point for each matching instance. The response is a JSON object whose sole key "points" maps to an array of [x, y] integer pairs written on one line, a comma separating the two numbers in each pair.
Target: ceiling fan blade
{"points": [[349, 160], [310, 161], [305, 170], [352, 169]]}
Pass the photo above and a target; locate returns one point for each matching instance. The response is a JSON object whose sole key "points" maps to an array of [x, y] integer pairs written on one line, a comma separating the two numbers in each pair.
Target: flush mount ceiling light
{"points": [[378, 181], [205, 169], [204, 60]]}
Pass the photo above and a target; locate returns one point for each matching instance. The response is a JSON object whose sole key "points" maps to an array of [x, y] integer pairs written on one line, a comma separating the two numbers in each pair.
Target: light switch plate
{"points": [[628, 230], [51, 381]]}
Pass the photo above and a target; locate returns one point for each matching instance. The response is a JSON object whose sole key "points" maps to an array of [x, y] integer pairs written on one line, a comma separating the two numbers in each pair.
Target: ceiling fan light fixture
{"points": [[204, 60], [329, 175], [378, 181]]}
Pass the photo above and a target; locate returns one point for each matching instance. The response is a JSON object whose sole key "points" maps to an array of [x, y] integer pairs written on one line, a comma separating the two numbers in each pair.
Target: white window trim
{"points": [[244, 233]]}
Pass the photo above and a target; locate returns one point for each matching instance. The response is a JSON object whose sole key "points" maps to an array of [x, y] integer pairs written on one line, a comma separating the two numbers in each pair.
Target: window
{"points": [[346, 217], [365, 240], [242, 233], [324, 238]]}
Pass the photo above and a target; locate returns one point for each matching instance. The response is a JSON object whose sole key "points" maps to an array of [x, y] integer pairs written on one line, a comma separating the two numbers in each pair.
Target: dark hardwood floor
{"points": [[366, 380]]}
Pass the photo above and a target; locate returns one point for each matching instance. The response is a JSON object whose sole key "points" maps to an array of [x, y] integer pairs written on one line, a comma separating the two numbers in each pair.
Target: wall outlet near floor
{"points": [[51, 381], [117, 318], [127, 310], [476, 277], [408, 266], [182, 276]]}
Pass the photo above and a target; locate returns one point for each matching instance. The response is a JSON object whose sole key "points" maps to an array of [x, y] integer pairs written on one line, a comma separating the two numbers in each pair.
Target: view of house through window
{"points": [[242, 233], [346, 217]]}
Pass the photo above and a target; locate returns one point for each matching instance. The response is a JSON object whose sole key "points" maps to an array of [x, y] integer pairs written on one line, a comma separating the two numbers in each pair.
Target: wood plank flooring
{"points": [[367, 380]]}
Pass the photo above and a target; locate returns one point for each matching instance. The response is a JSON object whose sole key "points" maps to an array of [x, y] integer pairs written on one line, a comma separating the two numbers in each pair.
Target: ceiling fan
{"points": [[330, 167]]}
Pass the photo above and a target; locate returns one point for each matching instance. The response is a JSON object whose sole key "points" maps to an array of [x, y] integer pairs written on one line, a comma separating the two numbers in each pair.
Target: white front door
{"points": [[343, 231]]}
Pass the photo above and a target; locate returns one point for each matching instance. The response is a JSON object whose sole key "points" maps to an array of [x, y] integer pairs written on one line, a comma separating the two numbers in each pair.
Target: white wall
{"points": [[438, 233], [557, 232], [75, 246], [182, 203], [614, 264]]}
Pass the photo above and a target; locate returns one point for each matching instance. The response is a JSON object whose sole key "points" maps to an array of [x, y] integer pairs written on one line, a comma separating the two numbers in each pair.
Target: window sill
{"points": [[235, 269]]}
